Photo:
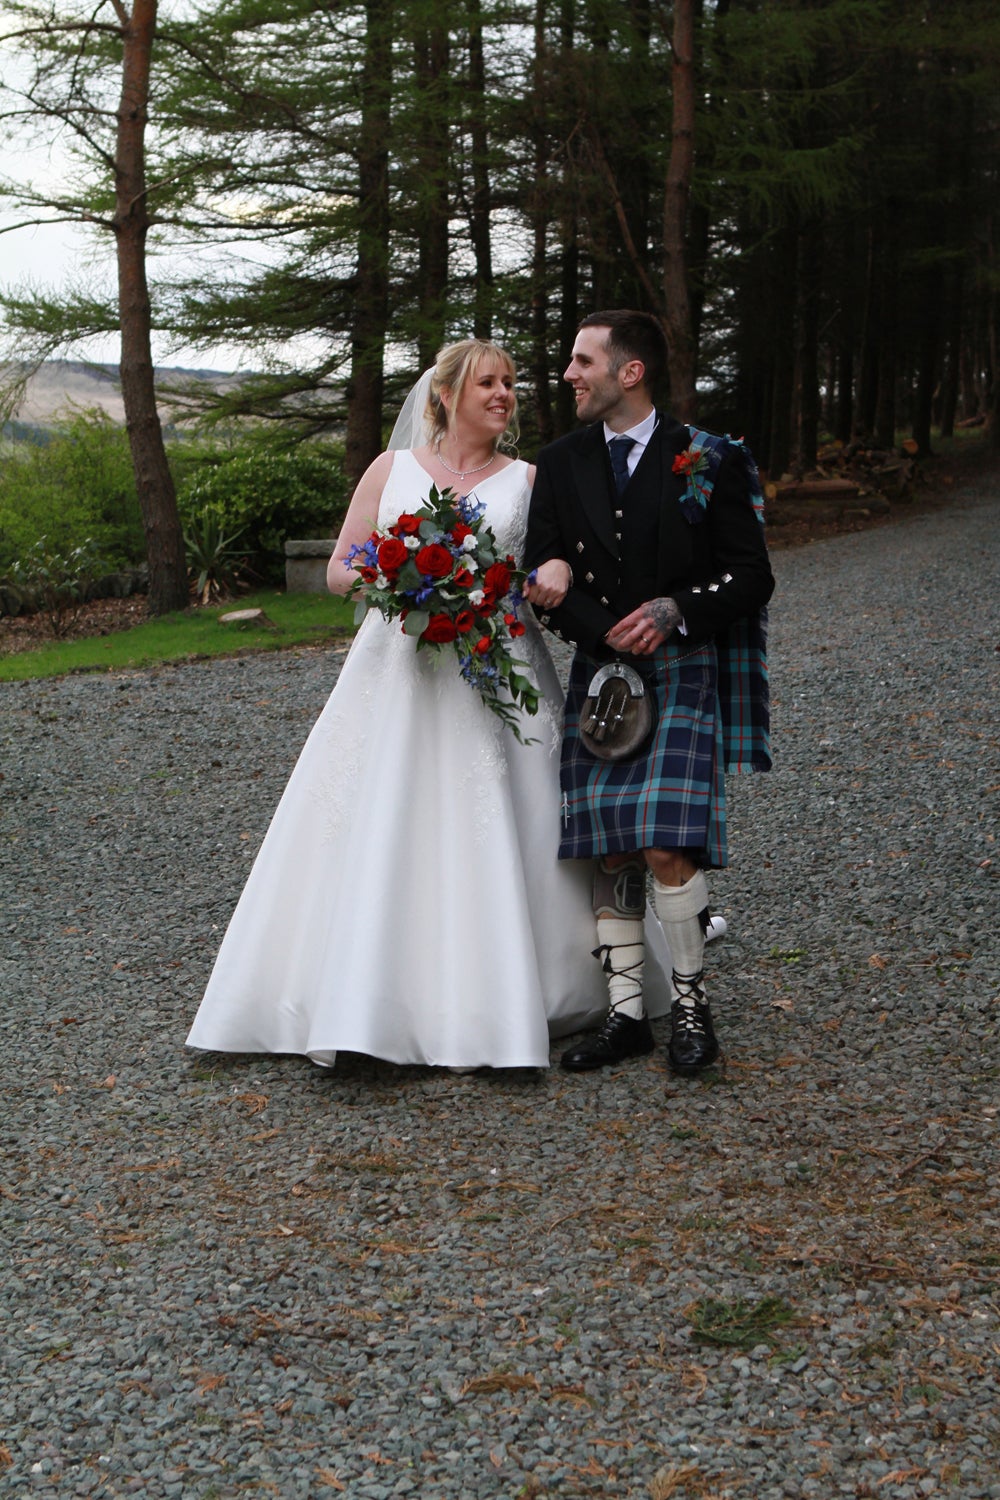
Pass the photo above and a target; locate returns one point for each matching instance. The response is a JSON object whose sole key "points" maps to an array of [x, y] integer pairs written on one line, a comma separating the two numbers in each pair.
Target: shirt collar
{"points": [[640, 433]]}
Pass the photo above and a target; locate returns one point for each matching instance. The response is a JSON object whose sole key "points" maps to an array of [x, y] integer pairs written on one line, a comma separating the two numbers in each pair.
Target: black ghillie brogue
{"points": [[693, 1043], [619, 1037]]}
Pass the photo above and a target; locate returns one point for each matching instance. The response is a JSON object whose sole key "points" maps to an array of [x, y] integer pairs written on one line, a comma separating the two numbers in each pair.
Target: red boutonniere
{"points": [[690, 463]]}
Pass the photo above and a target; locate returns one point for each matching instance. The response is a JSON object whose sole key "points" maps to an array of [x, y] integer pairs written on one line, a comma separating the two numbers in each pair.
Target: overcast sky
{"points": [[46, 256]]}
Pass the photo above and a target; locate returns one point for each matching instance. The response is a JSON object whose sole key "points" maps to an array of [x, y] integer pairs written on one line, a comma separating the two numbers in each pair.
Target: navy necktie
{"points": [[618, 452]]}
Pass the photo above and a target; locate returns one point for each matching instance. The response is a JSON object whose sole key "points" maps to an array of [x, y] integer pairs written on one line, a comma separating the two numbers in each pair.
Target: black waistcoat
{"points": [[637, 521]]}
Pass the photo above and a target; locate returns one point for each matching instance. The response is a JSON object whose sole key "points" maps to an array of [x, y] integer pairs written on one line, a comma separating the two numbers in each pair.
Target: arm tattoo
{"points": [[663, 613]]}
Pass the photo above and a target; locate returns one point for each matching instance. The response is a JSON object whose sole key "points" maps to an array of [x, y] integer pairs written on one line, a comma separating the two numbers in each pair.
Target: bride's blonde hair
{"points": [[455, 364]]}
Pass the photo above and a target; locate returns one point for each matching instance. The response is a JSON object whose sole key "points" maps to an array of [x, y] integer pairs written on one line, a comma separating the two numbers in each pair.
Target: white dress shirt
{"points": [[640, 435]]}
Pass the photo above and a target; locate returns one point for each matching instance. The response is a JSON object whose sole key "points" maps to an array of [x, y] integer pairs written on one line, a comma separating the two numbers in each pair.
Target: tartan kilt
{"points": [[671, 795]]}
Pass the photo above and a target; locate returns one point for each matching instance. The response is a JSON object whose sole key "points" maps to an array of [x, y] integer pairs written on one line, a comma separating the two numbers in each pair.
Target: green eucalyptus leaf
{"points": [[416, 622]]}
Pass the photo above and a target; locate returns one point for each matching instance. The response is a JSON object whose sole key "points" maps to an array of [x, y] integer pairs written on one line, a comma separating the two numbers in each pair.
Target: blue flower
{"points": [[366, 550], [470, 512]]}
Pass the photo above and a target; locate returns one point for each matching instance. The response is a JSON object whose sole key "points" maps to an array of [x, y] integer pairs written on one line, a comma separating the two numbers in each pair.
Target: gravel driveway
{"points": [[249, 1277]]}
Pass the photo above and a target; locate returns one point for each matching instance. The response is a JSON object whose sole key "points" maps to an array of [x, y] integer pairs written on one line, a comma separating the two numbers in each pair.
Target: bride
{"points": [[407, 901]]}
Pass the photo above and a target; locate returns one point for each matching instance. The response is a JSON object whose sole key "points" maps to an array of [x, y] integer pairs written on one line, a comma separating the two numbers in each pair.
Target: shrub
{"points": [[76, 487], [264, 496], [58, 581], [215, 559]]}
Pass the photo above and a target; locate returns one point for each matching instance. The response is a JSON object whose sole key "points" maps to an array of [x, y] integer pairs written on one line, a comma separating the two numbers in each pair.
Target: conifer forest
{"points": [[805, 191]]}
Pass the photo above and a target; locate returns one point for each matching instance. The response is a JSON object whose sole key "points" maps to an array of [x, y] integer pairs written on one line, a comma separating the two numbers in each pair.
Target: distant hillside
{"points": [[60, 385]]}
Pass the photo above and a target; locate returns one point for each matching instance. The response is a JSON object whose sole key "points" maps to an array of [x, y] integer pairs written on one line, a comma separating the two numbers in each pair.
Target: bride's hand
{"points": [[549, 584]]}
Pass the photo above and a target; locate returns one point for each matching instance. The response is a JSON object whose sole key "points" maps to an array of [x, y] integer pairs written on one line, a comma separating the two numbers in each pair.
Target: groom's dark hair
{"points": [[633, 335]]}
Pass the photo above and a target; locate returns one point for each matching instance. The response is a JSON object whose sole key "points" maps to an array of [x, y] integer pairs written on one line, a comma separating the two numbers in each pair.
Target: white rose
{"points": [[469, 543], [476, 596], [413, 543]]}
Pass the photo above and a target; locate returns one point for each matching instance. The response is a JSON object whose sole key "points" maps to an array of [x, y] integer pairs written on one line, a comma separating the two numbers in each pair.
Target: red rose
{"points": [[483, 645], [463, 579], [684, 462], [459, 532], [407, 525], [392, 554], [464, 621], [440, 629], [368, 574], [434, 561], [497, 580]]}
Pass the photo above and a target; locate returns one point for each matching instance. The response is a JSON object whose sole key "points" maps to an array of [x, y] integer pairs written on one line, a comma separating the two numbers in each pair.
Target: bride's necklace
{"points": [[461, 473]]}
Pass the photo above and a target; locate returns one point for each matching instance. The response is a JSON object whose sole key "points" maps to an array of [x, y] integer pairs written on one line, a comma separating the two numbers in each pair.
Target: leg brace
{"points": [[620, 905]]}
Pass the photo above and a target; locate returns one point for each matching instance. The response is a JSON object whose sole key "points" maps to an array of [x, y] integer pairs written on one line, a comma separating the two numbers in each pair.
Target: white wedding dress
{"points": [[407, 901]]}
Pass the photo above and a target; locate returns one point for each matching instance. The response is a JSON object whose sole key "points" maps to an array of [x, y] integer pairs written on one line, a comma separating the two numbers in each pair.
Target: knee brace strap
{"points": [[620, 892]]}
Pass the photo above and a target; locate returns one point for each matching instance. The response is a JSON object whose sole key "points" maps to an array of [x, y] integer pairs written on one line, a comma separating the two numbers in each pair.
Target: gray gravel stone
{"points": [[238, 1276]]}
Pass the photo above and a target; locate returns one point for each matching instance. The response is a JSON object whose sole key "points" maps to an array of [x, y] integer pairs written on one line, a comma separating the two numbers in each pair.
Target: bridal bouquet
{"points": [[438, 570]]}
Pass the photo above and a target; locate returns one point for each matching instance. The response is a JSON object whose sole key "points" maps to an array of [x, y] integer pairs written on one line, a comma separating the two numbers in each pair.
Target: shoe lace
{"points": [[689, 1001], [609, 1025], [632, 971]]}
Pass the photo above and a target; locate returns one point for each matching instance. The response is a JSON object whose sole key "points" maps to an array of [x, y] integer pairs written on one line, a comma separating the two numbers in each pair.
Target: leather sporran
{"points": [[617, 715]]}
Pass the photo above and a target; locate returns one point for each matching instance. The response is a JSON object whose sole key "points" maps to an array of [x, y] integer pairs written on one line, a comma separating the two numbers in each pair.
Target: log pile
{"points": [[850, 481]]}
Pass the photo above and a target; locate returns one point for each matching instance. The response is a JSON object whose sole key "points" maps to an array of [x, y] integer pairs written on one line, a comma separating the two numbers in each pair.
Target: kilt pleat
{"points": [[671, 795]]}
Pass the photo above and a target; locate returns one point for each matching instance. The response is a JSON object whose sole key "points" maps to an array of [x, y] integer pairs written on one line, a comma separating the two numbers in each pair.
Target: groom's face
{"points": [[599, 390]]}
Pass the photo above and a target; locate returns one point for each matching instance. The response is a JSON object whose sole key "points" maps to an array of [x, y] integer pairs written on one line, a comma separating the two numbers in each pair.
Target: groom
{"points": [[662, 555]]}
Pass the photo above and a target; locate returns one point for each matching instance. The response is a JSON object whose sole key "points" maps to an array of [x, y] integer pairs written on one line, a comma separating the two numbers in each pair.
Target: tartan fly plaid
{"points": [[671, 795], [744, 691]]}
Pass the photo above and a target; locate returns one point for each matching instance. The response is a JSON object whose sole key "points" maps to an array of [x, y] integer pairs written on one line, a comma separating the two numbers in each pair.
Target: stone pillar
{"points": [[305, 565]]}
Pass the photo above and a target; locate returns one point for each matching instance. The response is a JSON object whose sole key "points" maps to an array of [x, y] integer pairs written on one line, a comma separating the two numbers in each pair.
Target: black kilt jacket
{"points": [[642, 545]]}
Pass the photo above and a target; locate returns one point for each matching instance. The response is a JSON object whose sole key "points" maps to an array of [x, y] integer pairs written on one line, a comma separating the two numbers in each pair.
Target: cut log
{"points": [[813, 489], [244, 617]]}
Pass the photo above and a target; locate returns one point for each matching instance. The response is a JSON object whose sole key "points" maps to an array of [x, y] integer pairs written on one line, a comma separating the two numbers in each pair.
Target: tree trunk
{"points": [[842, 424], [992, 403], [808, 361], [864, 418], [371, 302], [949, 379], [783, 409], [929, 360], [479, 226], [569, 268], [635, 273], [431, 54], [539, 226], [168, 584], [888, 345], [700, 218], [675, 203]]}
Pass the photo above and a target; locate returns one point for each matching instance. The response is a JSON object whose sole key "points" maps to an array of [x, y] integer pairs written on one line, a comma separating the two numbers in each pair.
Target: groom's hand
{"points": [[549, 584], [647, 627]]}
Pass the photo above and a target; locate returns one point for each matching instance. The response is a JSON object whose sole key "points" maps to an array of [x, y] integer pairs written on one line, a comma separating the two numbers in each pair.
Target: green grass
{"points": [[297, 620], [738, 1324]]}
